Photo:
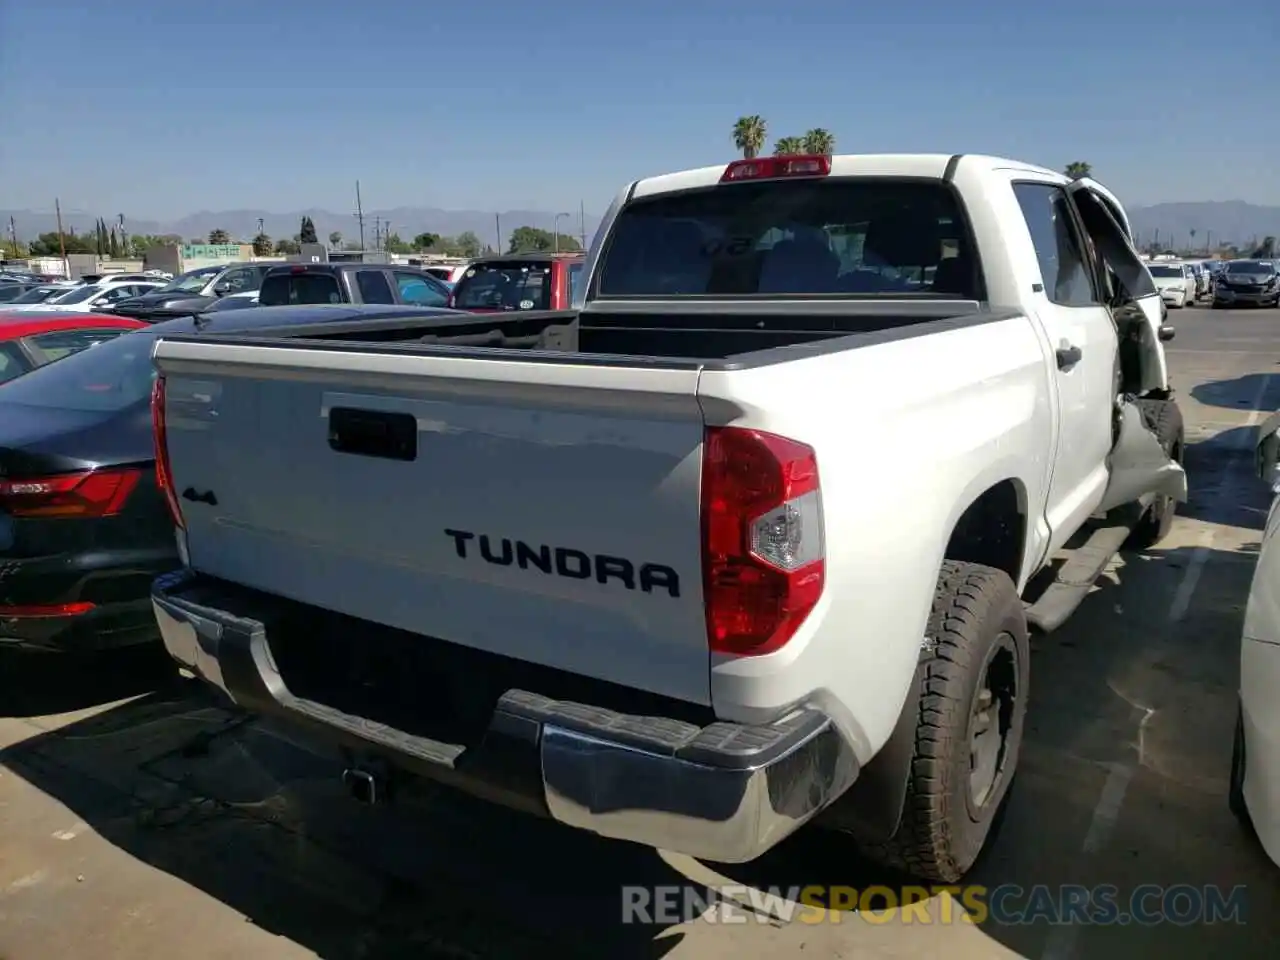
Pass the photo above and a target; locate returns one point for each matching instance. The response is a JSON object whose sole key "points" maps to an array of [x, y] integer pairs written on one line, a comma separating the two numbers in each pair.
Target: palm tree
{"points": [[819, 142], [788, 146], [1077, 169], [749, 135]]}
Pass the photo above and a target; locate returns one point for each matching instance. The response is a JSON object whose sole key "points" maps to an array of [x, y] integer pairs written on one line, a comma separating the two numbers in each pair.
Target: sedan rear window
{"points": [[105, 378], [845, 237], [286, 289]]}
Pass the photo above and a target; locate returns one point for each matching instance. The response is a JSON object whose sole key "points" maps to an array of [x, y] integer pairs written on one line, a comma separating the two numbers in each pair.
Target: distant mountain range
{"points": [[1229, 221], [408, 222], [1213, 221]]}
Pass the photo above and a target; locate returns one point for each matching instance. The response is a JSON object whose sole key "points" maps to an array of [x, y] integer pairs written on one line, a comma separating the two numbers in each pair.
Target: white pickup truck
{"points": [[743, 541]]}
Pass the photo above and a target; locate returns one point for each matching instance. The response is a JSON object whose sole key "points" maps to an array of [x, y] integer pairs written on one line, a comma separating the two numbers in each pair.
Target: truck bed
{"points": [[709, 333]]}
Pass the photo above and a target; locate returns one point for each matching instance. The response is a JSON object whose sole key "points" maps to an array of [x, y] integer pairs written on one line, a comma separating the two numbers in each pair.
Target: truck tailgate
{"points": [[547, 511]]}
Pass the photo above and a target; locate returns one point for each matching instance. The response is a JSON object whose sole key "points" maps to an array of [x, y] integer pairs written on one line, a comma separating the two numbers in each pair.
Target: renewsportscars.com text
{"points": [[1008, 904]]}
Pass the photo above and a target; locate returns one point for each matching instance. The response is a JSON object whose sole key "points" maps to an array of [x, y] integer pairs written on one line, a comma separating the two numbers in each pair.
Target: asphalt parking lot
{"points": [[139, 820]]}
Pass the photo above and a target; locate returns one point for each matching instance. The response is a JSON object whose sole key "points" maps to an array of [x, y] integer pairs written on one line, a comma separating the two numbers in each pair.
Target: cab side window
{"points": [[1060, 250]]}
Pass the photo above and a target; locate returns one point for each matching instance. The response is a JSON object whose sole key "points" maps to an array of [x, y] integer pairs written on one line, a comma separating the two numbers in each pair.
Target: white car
{"points": [[1175, 281], [1255, 757], [448, 273], [796, 529], [87, 298]]}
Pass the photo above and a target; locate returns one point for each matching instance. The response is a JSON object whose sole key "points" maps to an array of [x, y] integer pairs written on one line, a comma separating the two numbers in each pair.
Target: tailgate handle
{"points": [[373, 433]]}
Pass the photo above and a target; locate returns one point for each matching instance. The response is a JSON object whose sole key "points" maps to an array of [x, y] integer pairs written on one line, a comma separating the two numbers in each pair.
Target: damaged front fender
{"points": [[1140, 466]]}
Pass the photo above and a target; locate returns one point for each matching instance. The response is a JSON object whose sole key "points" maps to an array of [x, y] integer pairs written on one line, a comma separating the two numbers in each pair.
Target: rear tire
{"points": [[1164, 417], [971, 715]]}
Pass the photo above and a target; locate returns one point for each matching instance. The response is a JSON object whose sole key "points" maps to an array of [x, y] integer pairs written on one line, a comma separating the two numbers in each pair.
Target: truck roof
{"points": [[931, 165]]}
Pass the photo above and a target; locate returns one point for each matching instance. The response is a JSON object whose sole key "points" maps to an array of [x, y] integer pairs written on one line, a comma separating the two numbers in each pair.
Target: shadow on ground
{"points": [[41, 684], [1240, 393]]}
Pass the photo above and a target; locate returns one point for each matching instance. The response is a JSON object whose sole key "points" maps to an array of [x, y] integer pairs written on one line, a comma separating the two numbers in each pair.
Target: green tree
{"points": [[335, 240], [749, 134], [262, 245], [219, 237], [535, 240], [13, 251], [426, 241], [286, 247], [819, 141], [393, 244], [788, 146], [1265, 250], [307, 232], [1077, 169], [115, 244], [467, 244], [47, 245]]}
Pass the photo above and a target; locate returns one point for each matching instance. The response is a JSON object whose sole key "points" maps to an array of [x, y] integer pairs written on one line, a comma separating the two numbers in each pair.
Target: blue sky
{"points": [[159, 109]]}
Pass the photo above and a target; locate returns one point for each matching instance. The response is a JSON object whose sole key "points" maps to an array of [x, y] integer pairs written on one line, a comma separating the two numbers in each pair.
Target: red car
{"points": [[522, 281], [29, 340]]}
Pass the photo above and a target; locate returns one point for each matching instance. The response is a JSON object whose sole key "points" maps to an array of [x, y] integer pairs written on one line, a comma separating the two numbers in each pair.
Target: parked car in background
{"points": [[449, 274], [194, 291], [38, 294], [28, 342], [11, 291], [1248, 283], [83, 527], [521, 282], [1201, 274], [352, 282], [115, 277], [1175, 281], [93, 297]]}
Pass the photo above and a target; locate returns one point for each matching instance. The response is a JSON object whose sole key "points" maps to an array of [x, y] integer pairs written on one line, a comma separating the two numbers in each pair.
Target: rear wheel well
{"points": [[992, 530]]}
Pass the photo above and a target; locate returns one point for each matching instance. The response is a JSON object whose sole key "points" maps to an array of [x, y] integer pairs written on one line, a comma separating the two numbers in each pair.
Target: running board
{"points": [[1077, 576]]}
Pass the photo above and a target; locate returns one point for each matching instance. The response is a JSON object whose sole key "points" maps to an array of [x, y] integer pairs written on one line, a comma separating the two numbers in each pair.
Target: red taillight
{"points": [[94, 493], [44, 611], [763, 558], [164, 479], [771, 168]]}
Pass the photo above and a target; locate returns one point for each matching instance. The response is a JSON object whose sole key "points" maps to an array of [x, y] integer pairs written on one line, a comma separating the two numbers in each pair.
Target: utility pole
{"points": [[582, 223], [497, 220], [359, 214], [13, 235], [62, 241], [377, 233]]}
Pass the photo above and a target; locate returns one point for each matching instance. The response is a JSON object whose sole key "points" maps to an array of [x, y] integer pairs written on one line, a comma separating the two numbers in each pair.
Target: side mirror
{"points": [[221, 289], [1167, 332], [1267, 451]]}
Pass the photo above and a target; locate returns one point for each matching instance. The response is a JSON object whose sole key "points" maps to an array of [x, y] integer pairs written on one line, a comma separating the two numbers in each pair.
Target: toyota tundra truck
{"points": [[743, 541]]}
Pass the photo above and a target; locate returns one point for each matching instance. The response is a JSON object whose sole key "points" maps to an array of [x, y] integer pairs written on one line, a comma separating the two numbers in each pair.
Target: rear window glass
{"points": [[284, 289], [1251, 266], [511, 285], [869, 236], [106, 377], [1164, 270]]}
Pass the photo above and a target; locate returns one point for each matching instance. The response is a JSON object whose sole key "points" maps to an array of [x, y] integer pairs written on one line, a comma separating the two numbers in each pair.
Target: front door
{"points": [[1083, 338]]}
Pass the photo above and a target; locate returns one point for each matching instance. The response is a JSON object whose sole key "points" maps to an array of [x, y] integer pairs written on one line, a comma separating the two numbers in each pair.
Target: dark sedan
{"points": [[84, 529], [194, 292]]}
